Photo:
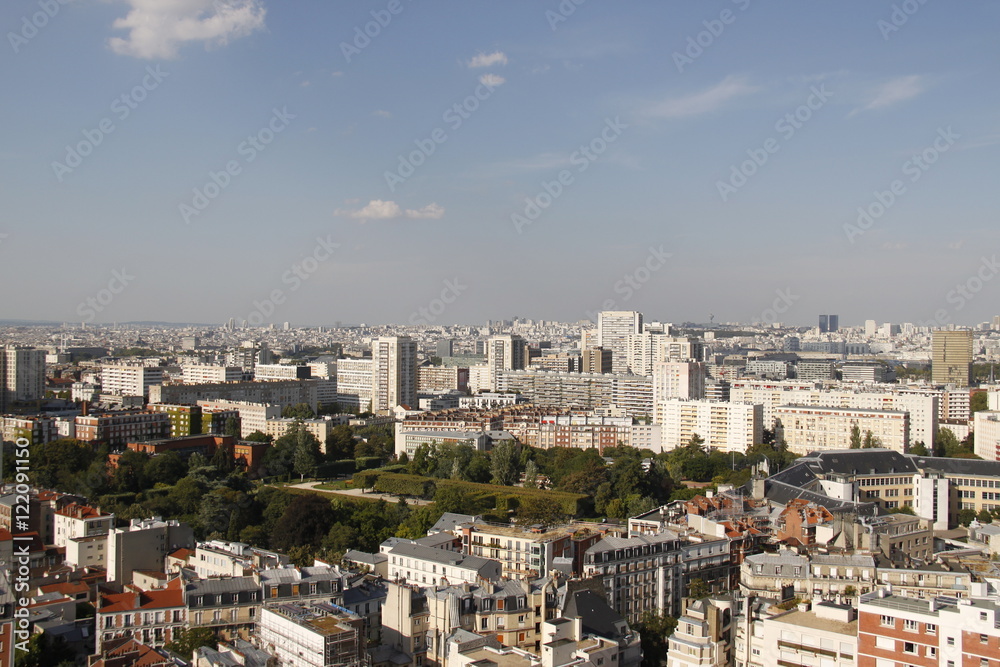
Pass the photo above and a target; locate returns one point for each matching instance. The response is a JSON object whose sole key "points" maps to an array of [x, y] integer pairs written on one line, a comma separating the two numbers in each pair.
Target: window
{"points": [[951, 641], [910, 626], [930, 629], [887, 621], [983, 639], [909, 647], [983, 662]]}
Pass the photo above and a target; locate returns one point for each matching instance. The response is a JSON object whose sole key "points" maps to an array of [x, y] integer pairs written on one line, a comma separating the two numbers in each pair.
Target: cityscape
{"points": [[505, 334]]}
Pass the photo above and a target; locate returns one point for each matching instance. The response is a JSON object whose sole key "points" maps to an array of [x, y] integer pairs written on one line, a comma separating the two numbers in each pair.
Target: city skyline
{"points": [[259, 161]]}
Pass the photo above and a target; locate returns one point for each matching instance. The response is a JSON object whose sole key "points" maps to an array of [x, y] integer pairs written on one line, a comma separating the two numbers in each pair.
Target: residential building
{"points": [[152, 617], [505, 353], [210, 373], [144, 545], [394, 373], [613, 329], [442, 378], [704, 634], [22, 374], [597, 360], [808, 429], [678, 379], [726, 426], [316, 634], [118, 428], [252, 416], [819, 633], [130, 379]]}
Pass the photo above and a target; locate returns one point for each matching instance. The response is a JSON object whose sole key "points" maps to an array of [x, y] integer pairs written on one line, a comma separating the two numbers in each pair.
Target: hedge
{"points": [[504, 498], [335, 468], [369, 462]]}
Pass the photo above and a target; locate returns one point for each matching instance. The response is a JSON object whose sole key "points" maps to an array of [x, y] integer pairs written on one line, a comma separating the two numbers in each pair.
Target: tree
{"points": [[188, 640], [979, 402], [855, 437], [984, 516], [167, 468], [44, 651], [306, 520], [259, 436], [698, 589], [966, 516], [531, 475], [306, 453], [655, 628], [919, 449], [298, 411], [871, 441], [539, 509], [505, 463], [232, 427]]}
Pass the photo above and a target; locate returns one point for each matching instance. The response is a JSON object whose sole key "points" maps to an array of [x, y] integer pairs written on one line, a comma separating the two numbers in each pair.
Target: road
{"points": [[357, 493]]}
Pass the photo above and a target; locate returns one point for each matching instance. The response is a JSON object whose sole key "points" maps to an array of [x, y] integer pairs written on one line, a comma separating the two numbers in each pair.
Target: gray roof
{"points": [[365, 557], [957, 466], [435, 541], [216, 586], [450, 521], [611, 543], [878, 461], [442, 556], [288, 575]]}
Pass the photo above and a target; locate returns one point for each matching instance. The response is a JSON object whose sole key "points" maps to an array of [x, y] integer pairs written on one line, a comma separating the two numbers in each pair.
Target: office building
{"points": [[951, 357], [505, 353]]}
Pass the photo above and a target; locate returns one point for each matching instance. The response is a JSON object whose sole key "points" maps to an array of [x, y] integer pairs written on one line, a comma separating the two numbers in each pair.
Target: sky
{"points": [[453, 162]]}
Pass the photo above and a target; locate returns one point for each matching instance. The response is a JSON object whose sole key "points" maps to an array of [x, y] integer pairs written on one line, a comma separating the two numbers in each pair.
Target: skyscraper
{"points": [[613, 330], [824, 324], [394, 373], [445, 348], [951, 357], [833, 322], [871, 328]]}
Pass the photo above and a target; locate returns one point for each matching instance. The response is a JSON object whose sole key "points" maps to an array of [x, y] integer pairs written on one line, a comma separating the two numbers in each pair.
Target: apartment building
{"points": [[526, 553], [76, 521], [210, 373], [312, 392], [818, 633], [678, 380], [505, 353], [152, 617], [280, 372], [951, 358], [229, 606], [410, 562], [253, 416], [654, 572], [130, 379], [22, 375], [613, 330], [725, 426], [442, 378], [768, 575], [316, 634], [704, 634], [119, 428], [144, 545], [811, 429], [354, 383], [394, 373], [584, 391]]}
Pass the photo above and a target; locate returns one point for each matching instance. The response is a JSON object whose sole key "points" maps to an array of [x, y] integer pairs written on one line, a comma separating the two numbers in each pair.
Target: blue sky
{"points": [[325, 115]]}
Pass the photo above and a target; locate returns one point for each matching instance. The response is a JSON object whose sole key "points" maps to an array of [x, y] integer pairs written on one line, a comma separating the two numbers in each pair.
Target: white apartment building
{"points": [[726, 426], [129, 379], [613, 329], [74, 521], [210, 373], [275, 372], [317, 634], [426, 566], [822, 633], [643, 350], [678, 379], [810, 429], [321, 427], [987, 428], [354, 383], [253, 416], [479, 379], [22, 374], [394, 373], [922, 406]]}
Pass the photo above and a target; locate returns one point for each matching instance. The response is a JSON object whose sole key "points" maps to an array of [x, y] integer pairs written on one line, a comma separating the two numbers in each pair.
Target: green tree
{"points": [[505, 463], [306, 453], [259, 436], [44, 651], [539, 509], [919, 449], [966, 516], [855, 437], [167, 468], [306, 520], [984, 516], [979, 402], [531, 475], [698, 589], [298, 411], [655, 628], [188, 640], [232, 427], [871, 441]]}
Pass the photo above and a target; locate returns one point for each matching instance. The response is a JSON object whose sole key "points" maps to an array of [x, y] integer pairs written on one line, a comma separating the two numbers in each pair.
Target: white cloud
{"points": [[897, 90], [492, 80], [378, 209], [382, 113], [488, 59], [156, 28], [430, 212], [705, 101]]}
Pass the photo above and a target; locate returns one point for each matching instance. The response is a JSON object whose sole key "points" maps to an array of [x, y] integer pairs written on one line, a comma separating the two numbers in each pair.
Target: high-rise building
{"points": [[824, 324], [951, 357], [22, 374], [613, 329], [596, 360], [445, 348], [394, 373], [871, 328], [678, 379], [126, 379], [833, 322], [505, 353]]}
